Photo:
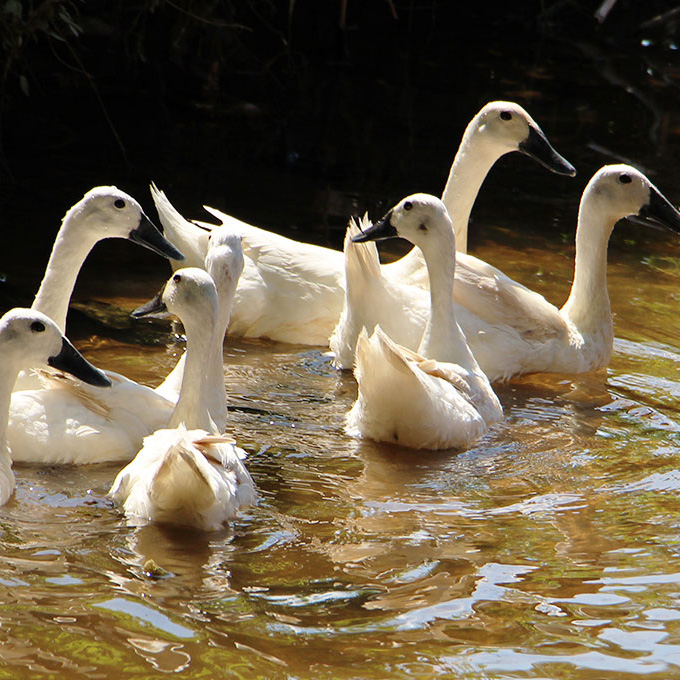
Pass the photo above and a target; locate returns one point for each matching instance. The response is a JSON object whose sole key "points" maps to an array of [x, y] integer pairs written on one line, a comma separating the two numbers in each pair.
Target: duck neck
{"points": [[8, 376], [443, 340], [588, 306], [68, 254], [470, 167], [216, 364], [192, 407]]}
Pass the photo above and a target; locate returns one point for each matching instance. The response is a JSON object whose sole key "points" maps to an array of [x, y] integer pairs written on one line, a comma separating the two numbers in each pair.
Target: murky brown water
{"points": [[548, 550]]}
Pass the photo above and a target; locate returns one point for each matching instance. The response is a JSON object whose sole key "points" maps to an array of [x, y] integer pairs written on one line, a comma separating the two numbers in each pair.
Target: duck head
{"points": [[623, 191], [190, 292], [421, 219], [508, 126], [30, 338], [224, 257], [108, 212]]}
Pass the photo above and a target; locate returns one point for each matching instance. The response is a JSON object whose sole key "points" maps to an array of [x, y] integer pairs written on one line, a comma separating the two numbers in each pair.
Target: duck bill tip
{"points": [[537, 146], [147, 234]]}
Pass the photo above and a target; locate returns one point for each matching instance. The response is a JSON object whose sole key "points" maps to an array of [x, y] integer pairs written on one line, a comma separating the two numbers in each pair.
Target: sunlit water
{"points": [[550, 549]]}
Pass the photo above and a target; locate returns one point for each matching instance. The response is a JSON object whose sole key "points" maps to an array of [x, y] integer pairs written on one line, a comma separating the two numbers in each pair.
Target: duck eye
{"points": [[176, 278], [625, 179], [37, 326], [506, 115], [422, 227], [408, 205], [119, 203]]}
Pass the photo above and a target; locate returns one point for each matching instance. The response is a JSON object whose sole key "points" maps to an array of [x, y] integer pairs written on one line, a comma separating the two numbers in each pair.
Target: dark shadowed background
{"points": [[295, 114]]}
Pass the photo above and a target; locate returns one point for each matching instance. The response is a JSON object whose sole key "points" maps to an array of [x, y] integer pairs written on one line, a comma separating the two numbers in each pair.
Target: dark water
{"points": [[549, 550]]}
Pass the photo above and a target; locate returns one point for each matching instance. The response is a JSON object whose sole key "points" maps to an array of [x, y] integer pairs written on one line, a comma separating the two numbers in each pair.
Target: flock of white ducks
{"points": [[426, 335]]}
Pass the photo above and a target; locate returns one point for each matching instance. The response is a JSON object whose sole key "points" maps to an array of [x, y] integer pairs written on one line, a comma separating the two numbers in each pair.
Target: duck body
{"points": [[187, 473], [436, 398], [294, 292], [290, 291], [67, 422], [513, 330], [408, 400], [199, 480]]}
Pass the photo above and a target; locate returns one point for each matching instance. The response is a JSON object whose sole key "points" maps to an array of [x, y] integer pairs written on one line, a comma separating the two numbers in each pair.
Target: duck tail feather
{"points": [[361, 259]]}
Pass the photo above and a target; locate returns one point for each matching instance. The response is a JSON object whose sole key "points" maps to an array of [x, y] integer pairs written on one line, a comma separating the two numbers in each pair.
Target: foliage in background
{"points": [[302, 84]]}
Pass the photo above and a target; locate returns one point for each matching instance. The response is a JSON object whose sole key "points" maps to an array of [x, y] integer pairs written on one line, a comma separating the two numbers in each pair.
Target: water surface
{"points": [[549, 549]]}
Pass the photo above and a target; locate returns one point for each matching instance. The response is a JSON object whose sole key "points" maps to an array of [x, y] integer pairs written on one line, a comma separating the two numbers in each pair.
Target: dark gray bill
{"points": [[147, 234], [70, 360], [377, 232], [155, 306], [660, 210], [537, 146]]}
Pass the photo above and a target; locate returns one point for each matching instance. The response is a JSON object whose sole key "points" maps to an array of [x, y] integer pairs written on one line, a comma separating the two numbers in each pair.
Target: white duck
{"points": [[293, 292], [64, 421], [187, 474], [29, 338], [438, 398], [515, 330], [224, 262]]}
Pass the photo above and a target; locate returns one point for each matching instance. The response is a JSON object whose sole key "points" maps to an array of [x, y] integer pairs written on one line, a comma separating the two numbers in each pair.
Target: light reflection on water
{"points": [[549, 549]]}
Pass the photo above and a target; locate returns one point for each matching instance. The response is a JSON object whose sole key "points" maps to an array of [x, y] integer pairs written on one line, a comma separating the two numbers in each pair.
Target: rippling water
{"points": [[550, 549]]}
